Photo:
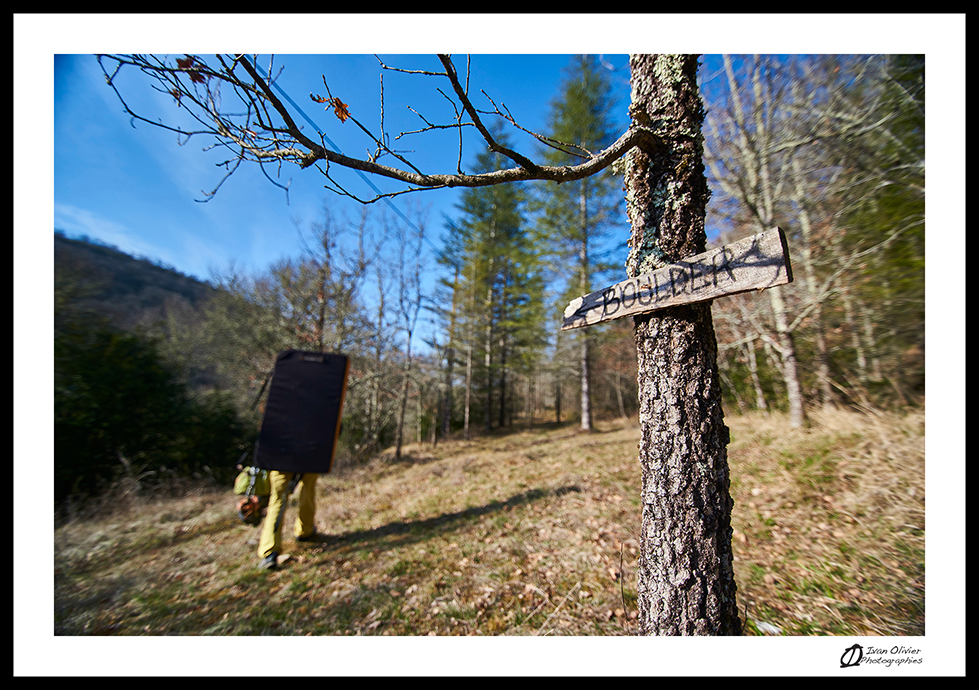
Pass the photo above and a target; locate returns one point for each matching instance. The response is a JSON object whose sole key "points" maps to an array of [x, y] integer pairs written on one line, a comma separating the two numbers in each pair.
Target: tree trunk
{"points": [[618, 395], [469, 387], [586, 422], [812, 288], [470, 337], [868, 332], [557, 397], [760, 402], [401, 413], [374, 415], [503, 384], [754, 105], [790, 370], [488, 364], [450, 355], [585, 387], [685, 574]]}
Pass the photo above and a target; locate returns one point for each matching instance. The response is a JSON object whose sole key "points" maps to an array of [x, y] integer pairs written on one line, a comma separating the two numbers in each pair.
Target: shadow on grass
{"points": [[417, 530]]}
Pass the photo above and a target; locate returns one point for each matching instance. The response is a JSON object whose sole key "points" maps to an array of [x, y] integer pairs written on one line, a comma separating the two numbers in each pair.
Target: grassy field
{"points": [[533, 532]]}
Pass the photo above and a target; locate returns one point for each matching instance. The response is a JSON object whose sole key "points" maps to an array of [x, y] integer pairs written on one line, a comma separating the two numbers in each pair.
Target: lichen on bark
{"points": [[685, 576]]}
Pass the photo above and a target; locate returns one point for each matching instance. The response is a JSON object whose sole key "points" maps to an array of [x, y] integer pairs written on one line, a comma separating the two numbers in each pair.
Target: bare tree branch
{"points": [[266, 131]]}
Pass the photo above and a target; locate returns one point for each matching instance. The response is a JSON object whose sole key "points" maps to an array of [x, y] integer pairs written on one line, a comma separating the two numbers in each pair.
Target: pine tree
{"points": [[497, 290], [576, 215], [447, 306]]}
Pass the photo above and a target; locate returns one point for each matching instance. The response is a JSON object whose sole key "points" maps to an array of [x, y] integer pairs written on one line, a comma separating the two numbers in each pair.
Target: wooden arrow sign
{"points": [[754, 263]]}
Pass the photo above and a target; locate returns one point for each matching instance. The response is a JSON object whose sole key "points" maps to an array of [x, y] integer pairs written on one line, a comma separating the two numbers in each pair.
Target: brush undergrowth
{"points": [[533, 532]]}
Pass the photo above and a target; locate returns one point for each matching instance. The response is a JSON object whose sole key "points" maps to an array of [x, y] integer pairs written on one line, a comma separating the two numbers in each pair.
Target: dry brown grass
{"points": [[829, 522], [534, 532]]}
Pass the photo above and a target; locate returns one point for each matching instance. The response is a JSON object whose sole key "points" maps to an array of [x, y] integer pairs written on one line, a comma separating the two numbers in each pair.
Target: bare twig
{"points": [[267, 131], [558, 607]]}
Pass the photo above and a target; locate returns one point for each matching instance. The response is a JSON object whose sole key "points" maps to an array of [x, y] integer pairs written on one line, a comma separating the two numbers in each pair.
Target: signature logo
{"points": [[852, 656], [896, 656]]}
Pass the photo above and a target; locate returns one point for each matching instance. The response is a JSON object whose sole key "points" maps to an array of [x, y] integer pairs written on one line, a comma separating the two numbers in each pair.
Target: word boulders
{"points": [[754, 263]]}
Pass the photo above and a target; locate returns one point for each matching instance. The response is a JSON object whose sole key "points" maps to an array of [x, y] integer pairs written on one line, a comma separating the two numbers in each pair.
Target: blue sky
{"points": [[135, 188], [78, 165]]}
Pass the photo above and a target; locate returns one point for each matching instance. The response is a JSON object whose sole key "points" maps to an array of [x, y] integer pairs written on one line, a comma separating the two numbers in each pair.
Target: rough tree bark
{"points": [[685, 574]]}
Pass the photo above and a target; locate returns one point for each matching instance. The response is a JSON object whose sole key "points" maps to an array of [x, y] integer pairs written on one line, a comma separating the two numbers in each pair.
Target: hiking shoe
{"points": [[309, 537], [270, 562]]}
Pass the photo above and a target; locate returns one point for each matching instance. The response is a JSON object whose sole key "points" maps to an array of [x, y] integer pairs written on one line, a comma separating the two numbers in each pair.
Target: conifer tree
{"points": [[496, 277], [576, 215]]}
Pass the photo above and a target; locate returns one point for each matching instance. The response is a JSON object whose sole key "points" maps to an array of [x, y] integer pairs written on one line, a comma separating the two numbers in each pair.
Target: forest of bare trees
{"points": [[830, 148]]}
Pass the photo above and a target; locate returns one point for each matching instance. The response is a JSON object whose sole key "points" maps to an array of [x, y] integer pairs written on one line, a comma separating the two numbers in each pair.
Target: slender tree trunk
{"points": [[586, 420], [805, 225], [532, 395], [402, 411], [469, 387], [618, 394], [790, 370], [490, 323], [445, 404], [557, 398], [760, 402], [557, 378], [585, 387], [868, 332], [503, 346], [854, 335], [374, 416], [446, 416], [418, 417], [488, 363], [685, 574], [503, 384], [470, 336], [321, 310], [756, 142], [409, 290]]}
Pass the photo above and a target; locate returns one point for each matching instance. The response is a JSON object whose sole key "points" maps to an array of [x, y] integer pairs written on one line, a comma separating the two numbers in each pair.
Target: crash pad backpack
{"points": [[300, 426], [252, 489]]}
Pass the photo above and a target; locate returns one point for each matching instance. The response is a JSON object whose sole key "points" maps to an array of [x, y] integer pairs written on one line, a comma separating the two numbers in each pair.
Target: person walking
{"points": [[304, 528], [298, 440]]}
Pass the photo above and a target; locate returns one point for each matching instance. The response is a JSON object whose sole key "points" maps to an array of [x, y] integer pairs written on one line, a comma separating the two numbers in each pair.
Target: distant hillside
{"points": [[129, 291]]}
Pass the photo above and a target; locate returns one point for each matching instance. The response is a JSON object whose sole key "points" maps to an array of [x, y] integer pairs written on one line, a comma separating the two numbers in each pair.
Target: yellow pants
{"points": [[271, 539]]}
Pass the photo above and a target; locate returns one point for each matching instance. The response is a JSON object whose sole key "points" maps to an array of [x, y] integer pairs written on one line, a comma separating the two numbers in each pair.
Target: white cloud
{"points": [[76, 221], [185, 251]]}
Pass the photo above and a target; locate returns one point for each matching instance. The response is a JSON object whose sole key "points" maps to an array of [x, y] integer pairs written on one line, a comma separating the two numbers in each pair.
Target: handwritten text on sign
{"points": [[754, 263]]}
